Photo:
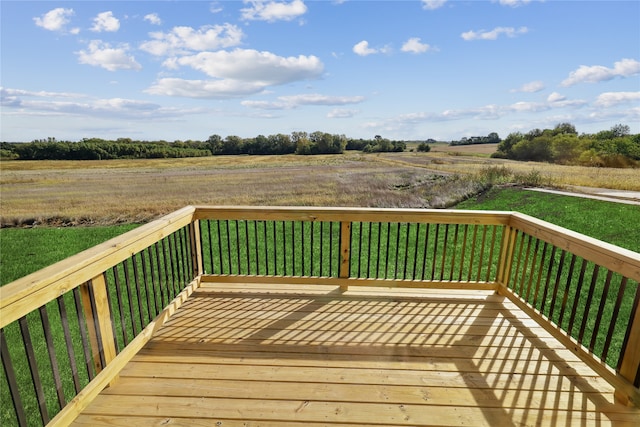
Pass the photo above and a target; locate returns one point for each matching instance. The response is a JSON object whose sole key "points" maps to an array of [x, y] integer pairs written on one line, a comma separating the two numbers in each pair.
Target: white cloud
{"points": [[237, 73], [341, 113], [182, 40], [414, 45], [555, 97], [215, 7], [295, 101], [513, 3], [609, 99], [55, 19], [362, 48], [272, 11], [531, 87], [101, 54], [528, 107], [433, 4], [493, 34], [47, 103], [105, 21], [598, 73], [153, 18], [265, 68], [206, 89]]}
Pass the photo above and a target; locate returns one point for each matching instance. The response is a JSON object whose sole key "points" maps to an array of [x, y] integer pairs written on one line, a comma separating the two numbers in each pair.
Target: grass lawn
{"points": [[25, 250], [614, 223]]}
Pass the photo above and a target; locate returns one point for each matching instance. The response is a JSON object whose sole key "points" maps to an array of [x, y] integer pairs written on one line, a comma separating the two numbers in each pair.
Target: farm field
{"points": [[133, 191]]}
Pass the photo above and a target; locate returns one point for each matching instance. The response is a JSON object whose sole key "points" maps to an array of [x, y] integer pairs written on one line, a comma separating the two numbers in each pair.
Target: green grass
{"points": [[25, 250], [614, 223]]}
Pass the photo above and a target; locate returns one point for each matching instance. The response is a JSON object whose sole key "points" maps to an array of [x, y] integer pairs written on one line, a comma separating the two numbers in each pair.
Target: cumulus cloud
{"points": [[182, 40], [555, 97], [433, 4], [598, 73], [55, 20], [295, 101], [101, 54], [493, 34], [153, 18], [105, 21], [252, 65], [236, 73], [609, 99], [531, 87], [414, 45], [272, 11], [362, 48]]}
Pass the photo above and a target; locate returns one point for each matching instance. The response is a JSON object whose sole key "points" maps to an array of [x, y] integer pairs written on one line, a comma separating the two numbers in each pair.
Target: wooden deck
{"points": [[249, 355]]}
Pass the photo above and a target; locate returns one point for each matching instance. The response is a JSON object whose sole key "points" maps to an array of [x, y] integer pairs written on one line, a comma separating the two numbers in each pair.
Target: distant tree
{"points": [[424, 147]]}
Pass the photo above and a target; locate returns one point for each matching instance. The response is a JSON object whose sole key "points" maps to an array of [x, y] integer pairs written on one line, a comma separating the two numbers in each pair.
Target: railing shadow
{"points": [[512, 369]]}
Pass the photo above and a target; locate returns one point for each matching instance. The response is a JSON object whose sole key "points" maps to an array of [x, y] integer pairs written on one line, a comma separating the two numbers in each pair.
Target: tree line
{"points": [[302, 143], [615, 147]]}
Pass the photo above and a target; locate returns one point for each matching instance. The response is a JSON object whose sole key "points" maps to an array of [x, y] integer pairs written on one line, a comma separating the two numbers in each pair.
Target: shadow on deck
{"points": [[245, 355]]}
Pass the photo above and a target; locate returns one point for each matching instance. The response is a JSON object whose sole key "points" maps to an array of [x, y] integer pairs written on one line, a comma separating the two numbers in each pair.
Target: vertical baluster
{"points": [[11, 380], [255, 238], [33, 367], [321, 247], [548, 279], [463, 252], [211, 263], [567, 289], [237, 227], [444, 250], [247, 245], [473, 251], [406, 251], [585, 314], [482, 249], [69, 343], [415, 252], [426, 247], [397, 251], [55, 370], [574, 308], [614, 319], [539, 279], [220, 252], [386, 258], [557, 285], [116, 280], [435, 252], [266, 247], [455, 250], [603, 301], [533, 265], [491, 250]]}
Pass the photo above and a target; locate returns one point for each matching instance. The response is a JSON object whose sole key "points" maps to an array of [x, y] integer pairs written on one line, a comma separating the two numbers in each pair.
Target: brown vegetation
{"points": [[116, 191]]}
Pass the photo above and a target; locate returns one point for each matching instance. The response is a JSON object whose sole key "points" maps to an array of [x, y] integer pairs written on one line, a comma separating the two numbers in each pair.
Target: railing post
{"points": [[95, 303], [630, 365], [196, 249], [506, 256], [345, 251]]}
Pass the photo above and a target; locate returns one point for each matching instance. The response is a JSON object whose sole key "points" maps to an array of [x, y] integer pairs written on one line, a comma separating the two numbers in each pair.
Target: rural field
{"points": [[132, 191]]}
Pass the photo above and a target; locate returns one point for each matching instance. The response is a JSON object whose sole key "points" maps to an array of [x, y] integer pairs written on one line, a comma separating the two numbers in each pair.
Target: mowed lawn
{"points": [[25, 250]]}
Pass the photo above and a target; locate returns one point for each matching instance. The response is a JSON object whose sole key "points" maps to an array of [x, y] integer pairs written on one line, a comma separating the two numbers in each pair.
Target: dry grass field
{"points": [[117, 191]]}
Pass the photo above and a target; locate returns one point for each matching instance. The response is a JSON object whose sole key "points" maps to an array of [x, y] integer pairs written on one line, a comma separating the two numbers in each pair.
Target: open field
{"points": [[128, 191]]}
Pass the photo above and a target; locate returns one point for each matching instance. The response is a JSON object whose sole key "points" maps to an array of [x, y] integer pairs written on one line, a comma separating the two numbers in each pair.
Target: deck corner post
{"points": [[345, 251], [97, 312], [196, 249], [506, 256], [630, 363]]}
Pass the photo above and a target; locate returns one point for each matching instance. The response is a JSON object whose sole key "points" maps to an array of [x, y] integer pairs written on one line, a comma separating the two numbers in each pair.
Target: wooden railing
{"points": [[67, 330]]}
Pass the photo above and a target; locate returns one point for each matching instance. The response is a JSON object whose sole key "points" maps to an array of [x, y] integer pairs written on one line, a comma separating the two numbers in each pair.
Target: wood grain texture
{"points": [[315, 355]]}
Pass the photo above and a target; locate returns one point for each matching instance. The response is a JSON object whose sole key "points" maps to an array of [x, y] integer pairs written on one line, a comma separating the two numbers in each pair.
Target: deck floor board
{"points": [[236, 355]]}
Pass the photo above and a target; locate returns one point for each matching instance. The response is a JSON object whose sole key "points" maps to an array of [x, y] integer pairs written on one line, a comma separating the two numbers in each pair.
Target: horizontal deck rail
{"points": [[67, 330]]}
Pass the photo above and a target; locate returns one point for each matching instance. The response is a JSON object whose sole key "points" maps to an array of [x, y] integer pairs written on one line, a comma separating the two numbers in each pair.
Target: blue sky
{"points": [[179, 70]]}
